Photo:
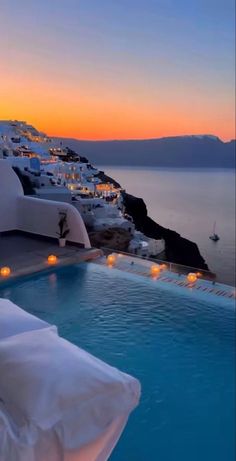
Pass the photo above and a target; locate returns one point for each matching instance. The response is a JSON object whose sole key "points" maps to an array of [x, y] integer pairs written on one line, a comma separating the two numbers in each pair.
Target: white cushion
{"points": [[46, 384], [14, 320]]}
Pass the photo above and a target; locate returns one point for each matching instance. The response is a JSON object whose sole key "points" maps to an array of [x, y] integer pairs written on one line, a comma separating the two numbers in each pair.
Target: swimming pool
{"points": [[180, 348]]}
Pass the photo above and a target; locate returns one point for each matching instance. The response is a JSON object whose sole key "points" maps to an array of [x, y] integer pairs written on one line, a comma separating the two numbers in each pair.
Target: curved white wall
{"points": [[10, 189], [38, 216], [41, 217]]}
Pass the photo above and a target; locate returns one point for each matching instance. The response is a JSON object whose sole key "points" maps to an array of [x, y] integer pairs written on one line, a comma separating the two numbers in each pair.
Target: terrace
{"points": [[29, 228], [27, 254]]}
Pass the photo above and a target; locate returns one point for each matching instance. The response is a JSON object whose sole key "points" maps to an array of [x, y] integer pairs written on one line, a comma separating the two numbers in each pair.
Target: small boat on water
{"points": [[214, 236]]}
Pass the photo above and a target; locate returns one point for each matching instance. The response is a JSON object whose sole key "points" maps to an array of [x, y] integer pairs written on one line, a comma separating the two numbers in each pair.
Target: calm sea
{"points": [[189, 201]]}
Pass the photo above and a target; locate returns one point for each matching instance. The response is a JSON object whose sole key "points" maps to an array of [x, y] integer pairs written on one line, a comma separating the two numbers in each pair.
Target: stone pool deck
{"points": [[169, 279], [27, 255]]}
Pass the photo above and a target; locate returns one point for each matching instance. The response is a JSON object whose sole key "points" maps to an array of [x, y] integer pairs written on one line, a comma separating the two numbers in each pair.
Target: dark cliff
{"points": [[178, 249]]}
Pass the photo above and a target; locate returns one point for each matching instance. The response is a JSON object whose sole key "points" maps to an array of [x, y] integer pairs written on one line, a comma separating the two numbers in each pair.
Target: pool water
{"points": [[182, 350]]}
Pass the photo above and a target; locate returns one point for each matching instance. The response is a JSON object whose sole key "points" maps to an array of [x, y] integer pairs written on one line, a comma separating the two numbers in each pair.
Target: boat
{"points": [[215, 237]]}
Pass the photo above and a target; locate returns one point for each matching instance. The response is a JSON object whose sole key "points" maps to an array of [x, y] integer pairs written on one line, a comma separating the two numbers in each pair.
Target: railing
{"points": [[172, 267]]}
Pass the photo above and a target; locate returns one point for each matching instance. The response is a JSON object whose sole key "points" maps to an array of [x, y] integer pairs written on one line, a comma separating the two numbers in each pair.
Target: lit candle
{"points": [[5, 271], [52, 259], [192, 278], [155, 270], [111, 260]]}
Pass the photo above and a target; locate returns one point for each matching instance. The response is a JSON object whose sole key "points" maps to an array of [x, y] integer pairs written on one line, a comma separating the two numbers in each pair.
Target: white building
{"points": [[145, 246]]}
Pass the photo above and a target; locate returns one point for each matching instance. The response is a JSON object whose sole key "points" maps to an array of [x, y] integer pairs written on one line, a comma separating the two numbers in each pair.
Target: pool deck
{"points": [[166, 278], [27, 255]]}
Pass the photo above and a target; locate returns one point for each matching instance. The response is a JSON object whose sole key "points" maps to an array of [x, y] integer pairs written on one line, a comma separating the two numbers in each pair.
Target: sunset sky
{"points": [[105, 69]]}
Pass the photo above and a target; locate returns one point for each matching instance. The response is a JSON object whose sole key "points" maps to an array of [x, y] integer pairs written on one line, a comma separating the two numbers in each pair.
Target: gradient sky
{"points": [[105, 69]]}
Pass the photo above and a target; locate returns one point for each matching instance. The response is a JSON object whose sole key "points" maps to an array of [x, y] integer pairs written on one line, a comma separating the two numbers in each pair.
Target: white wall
{"points": [[10, 188], [38, 216], [41, 217]]}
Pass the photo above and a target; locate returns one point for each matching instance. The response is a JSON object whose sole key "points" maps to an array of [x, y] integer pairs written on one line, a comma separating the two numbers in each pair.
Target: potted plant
{"points": [[63, 229]]}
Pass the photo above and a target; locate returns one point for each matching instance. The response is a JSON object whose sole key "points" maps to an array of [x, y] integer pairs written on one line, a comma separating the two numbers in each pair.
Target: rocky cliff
{"points": [[115, 239], [178, 249]]}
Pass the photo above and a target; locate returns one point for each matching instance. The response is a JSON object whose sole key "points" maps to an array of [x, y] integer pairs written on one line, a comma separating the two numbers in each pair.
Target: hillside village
{"points": [[49, 170]]}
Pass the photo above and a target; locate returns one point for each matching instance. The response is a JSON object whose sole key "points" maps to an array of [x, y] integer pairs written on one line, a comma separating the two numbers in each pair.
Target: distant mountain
{"points": [[180, 151]]}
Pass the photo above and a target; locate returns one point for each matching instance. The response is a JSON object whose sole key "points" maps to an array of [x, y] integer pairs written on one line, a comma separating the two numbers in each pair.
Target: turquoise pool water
{"points": [[181, 349]]}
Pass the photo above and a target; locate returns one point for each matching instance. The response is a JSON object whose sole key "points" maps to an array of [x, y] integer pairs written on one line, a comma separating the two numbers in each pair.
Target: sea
{"points": [[189, 201]]}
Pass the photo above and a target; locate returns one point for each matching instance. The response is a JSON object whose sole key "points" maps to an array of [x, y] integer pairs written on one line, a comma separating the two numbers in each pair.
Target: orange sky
{"points": [[102, 114], [101, 78]]}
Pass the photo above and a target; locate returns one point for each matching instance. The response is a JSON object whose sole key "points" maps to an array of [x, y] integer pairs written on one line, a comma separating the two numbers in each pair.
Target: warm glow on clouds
{"points": [[97, 79]]}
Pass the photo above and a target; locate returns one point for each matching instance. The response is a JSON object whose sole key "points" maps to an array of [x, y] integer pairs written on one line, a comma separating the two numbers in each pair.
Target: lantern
{"points": [[52, 259], [5, 271], [155, 270], [192, 278], [199, 274], [111, 259]]}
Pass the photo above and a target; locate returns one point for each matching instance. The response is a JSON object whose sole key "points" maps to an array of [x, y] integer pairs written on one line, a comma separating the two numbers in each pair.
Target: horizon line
{"points": [[152, 138], [144, 139]]}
